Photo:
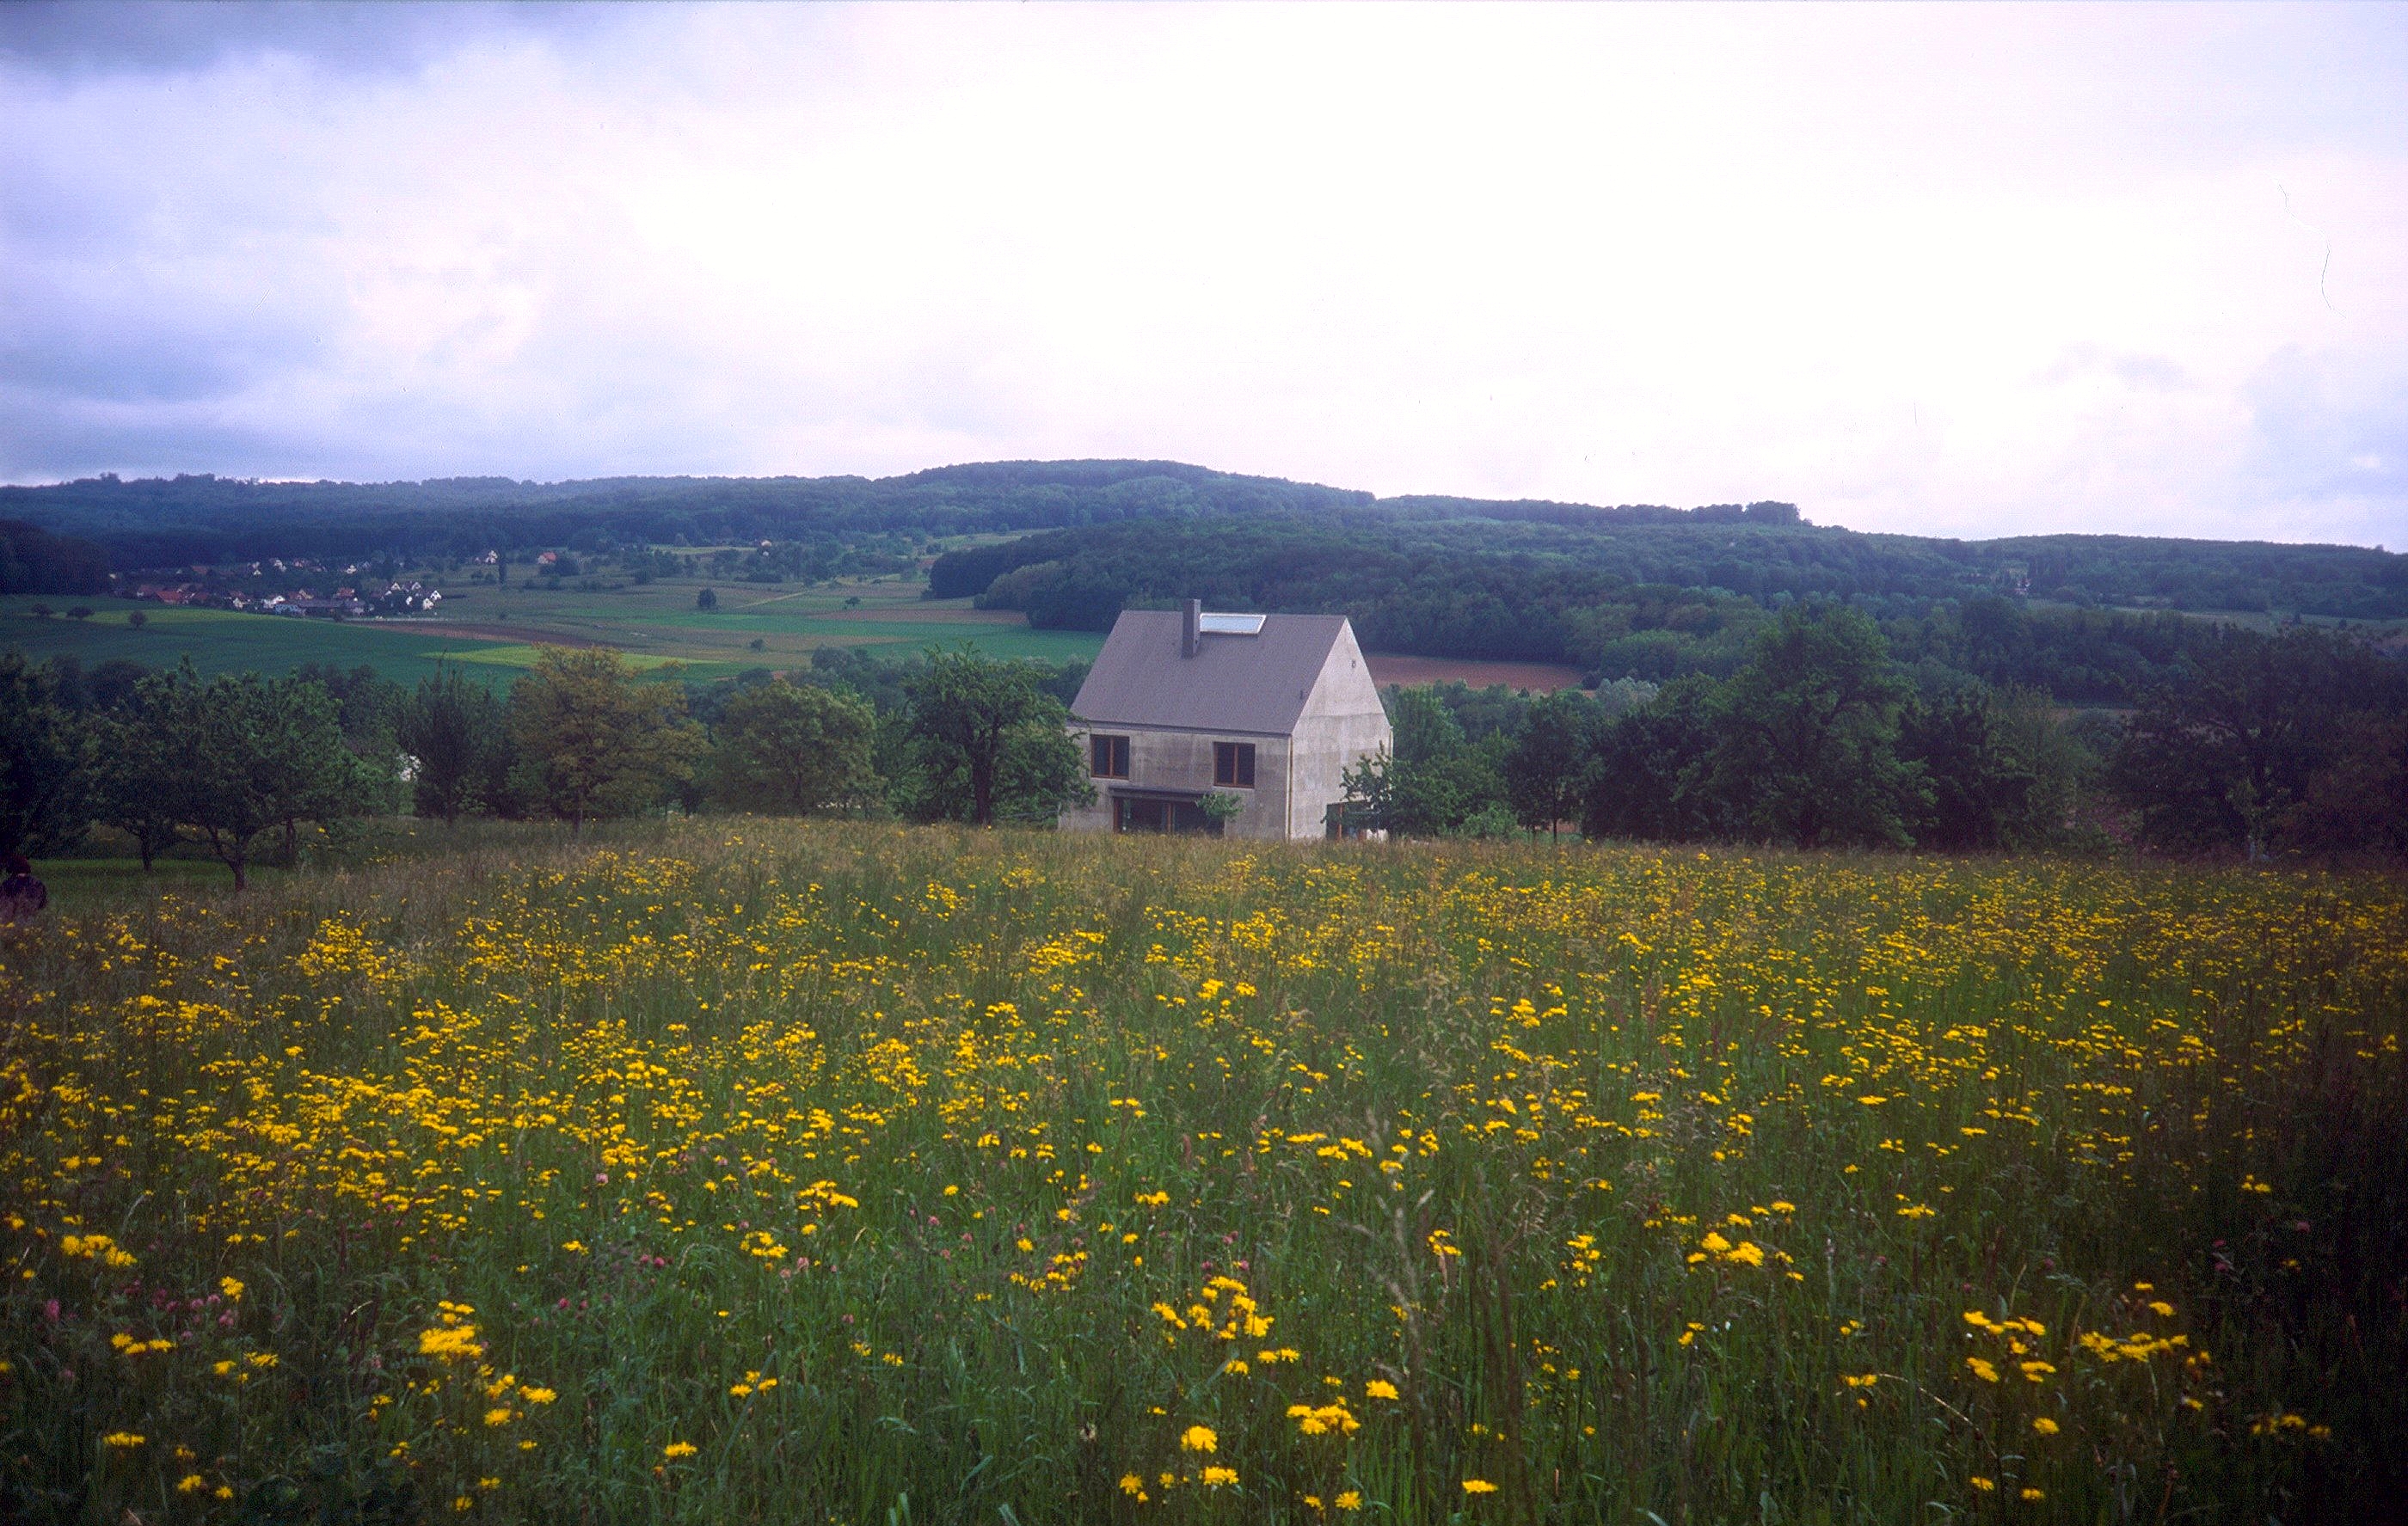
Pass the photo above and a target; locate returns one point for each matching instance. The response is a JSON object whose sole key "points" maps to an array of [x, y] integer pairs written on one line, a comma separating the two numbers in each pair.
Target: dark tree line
{"points": [[2293, 743], [239, 765], [34, 561], [1657, 602]]}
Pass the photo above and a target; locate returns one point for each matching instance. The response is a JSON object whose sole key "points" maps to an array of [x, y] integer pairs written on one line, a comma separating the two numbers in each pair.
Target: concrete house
{"points": [[1181, 704]]}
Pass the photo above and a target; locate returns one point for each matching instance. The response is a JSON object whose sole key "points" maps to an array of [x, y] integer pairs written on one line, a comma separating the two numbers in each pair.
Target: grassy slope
{"points": [[531, 1162]]}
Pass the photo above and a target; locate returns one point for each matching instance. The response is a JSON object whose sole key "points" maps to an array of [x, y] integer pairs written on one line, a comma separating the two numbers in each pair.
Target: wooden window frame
{"points": [[1103, 752], [1233, 765]]}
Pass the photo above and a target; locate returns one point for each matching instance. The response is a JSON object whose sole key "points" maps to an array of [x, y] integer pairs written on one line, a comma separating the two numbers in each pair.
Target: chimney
{"points": [[1191, 627]]}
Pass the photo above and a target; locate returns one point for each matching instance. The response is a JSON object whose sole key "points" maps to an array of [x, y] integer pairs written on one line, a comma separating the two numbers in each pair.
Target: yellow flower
{"points": [[124, 1440], [678, 1448], [2044, 1426], [1215, 1477], [452, 1343], [1379, 1388], [499, 1417], [232, 1288], [1984, 1485], [191, 1483], [1349, 1500], [538, 1396], [2162, 1309], [2034, 1495], [1132, 1484], [1200, 1438], [1478, 1486], [1983, 1370]]}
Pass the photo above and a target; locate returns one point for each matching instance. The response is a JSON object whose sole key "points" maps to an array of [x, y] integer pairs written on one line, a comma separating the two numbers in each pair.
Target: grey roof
{"points": [[1234, 683]]}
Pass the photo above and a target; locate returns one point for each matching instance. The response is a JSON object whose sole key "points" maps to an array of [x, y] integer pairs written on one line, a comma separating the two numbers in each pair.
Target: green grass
{"points": [[789, 620], [1656, 1186], [656, 626], [223, 641], [77, 886]]}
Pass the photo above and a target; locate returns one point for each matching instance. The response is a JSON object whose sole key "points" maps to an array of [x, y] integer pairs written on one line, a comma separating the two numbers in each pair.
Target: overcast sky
{"points": [[1962, 270]]}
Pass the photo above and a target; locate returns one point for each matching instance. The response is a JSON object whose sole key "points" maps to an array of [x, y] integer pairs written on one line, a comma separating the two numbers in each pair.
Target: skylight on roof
{"points": [[1229, 625]]}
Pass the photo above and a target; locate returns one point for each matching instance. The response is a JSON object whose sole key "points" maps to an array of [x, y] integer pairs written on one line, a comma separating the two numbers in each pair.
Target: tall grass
{"points": [[766, 1172]]}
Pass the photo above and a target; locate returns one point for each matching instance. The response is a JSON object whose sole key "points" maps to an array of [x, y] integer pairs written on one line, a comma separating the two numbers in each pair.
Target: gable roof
{"points": [[1234, 683]]}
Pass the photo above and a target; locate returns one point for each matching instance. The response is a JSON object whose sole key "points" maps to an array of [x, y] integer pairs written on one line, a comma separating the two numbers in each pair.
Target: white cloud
{"points": [[1970, 271]]}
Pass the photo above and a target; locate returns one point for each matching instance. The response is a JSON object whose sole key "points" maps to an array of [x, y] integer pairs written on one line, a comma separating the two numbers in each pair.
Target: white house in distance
{"points": [[1181, 704]]}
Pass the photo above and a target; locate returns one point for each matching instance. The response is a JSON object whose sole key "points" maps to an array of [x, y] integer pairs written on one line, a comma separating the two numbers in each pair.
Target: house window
{"points": [[1108, 757], [1233, 764]]}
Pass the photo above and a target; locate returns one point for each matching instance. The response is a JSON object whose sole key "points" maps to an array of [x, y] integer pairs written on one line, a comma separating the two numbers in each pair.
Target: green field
{"points": [[220, 641], [496, 630], [736, 1170]]}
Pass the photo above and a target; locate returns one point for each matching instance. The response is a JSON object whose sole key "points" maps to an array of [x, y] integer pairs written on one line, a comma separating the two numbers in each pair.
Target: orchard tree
{"points": [[134, 762], [792, 750], [595, 740], [1547, 767], [989, 742], [42, 753], [250, 754], [455, 731]]}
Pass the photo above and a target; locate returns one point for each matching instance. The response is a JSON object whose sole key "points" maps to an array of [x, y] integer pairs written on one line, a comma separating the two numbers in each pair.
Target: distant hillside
{"points": [[170, 521], [1640, 590]]}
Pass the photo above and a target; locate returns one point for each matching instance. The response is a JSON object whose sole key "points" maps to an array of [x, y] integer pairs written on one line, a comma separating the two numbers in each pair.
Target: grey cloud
{"points": [[168, 36]]}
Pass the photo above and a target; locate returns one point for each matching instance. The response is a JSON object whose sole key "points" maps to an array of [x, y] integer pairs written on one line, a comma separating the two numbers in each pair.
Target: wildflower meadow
{"points": [[734, 1170]]}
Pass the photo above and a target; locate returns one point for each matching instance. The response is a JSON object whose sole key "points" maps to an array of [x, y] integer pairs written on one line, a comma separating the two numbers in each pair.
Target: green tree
{"points": [[457, 734], [597, 741], [1547, 766], [42, 782], [1650, 780], [989, 743], [133, 760], [250, 754], [1810, 729], [1434, 782], [792, 750], [2227, 751], [1979, 790]]}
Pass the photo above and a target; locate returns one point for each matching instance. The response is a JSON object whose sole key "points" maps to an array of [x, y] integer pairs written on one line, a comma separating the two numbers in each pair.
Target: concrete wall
{"points": [[1343, 724], [1183, 761]]}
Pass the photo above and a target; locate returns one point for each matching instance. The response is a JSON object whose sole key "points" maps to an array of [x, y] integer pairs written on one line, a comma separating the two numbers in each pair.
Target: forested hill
{"points": [[1461, 575], [169, 521]]}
